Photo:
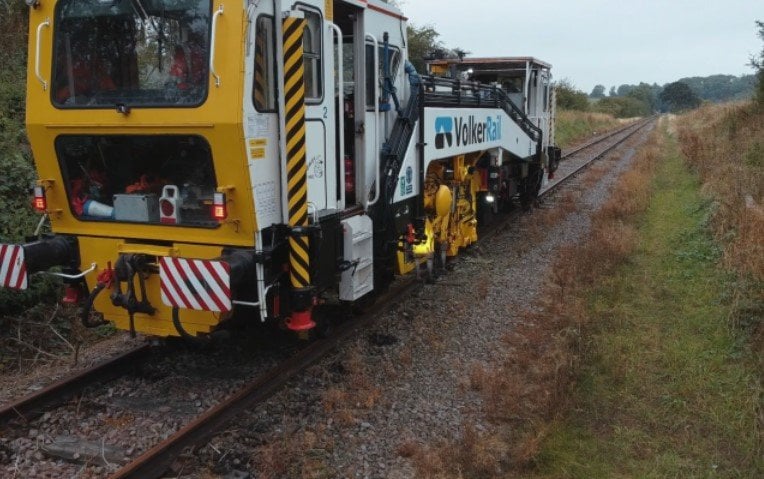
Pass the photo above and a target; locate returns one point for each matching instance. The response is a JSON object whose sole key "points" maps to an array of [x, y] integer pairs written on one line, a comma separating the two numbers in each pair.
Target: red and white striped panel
{"points": [[198, 284], [13, 268]]}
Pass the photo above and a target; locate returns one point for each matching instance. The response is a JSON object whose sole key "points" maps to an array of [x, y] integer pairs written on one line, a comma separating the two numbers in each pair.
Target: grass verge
{"points": [[572, 126], [668, 388], [633, 365]]}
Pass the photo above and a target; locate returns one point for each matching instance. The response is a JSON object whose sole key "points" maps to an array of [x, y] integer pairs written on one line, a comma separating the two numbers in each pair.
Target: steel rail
{"points": [[155, 462], [35, 404], [636, 127], [601, 138]]}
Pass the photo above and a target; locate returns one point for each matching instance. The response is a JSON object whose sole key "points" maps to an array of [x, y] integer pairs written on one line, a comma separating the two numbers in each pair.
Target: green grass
{"points": [[573, 126], [668, 389]]}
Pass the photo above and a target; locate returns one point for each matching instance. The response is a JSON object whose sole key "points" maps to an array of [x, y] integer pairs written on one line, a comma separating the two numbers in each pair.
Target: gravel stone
{"points": [[406, 379]]}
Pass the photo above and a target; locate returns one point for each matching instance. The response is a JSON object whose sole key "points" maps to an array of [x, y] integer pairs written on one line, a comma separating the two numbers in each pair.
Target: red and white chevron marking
{"points": [[13, 268], [202, 285]]}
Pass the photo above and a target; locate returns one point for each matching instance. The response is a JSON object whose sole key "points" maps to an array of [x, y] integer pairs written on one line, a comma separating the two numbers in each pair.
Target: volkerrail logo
{"points": [[469, 131], [444, 132]]}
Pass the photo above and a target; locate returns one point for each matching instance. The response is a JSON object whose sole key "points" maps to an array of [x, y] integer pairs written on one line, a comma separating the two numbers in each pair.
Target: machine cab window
{"points": [[311, 45], [264, 90], [150, 179], [148, 53], [394, 58]]}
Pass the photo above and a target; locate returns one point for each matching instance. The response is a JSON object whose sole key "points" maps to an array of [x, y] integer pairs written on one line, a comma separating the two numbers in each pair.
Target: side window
{"points": [[311, 45], [264, 89], [395, 56]]}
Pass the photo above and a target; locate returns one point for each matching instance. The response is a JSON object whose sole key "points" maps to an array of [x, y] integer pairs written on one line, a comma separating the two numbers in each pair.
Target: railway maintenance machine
{"points": [[270, 157]]}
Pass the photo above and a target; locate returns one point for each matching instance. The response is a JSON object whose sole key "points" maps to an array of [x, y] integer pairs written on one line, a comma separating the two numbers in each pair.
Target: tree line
{"points": [[682, 94]]}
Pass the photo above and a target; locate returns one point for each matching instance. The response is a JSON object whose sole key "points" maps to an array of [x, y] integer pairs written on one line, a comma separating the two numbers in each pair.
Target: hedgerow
{"points": [[17, 173]]}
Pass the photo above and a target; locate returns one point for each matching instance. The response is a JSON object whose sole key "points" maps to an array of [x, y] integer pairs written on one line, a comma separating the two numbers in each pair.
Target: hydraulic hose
{"points": [[88, 307], [414, 78], [185, 334]]}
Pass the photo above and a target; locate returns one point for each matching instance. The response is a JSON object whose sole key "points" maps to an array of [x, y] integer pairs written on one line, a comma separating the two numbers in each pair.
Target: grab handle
{"points": [[212, 44], [341, 107], [377, 186], [42, 81]]}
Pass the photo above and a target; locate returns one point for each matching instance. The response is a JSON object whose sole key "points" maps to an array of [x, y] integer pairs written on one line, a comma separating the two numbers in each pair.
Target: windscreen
{"points": [[131, 52]]}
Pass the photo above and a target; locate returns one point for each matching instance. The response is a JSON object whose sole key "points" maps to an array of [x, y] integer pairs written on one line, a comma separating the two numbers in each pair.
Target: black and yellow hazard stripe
{"points": [[297, 181], [260, 66]]}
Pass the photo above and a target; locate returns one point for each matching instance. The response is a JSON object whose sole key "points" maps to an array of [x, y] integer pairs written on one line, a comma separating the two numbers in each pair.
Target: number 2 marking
{"points": [[326, 112]]}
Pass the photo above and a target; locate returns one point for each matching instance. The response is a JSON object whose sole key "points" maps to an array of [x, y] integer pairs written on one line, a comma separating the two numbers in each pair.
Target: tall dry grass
{"points": [[725, 145], [529, 388]]}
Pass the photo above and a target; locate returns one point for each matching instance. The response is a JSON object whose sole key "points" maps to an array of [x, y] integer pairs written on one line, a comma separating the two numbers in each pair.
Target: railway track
{"points": [[604, 137], [616, 137], [156, 461], [33, 405]]}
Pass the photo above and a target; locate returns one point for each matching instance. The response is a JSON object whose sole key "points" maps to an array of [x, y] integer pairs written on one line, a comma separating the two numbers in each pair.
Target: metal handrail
{"points": [[449, 91], [44, 83], [212, 44], [377, 188], [341, 113], [395, 149]]}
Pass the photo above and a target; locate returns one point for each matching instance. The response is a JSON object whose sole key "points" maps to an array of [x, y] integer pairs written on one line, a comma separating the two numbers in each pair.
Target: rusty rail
{"points": [[35, 404], [155, 462]]}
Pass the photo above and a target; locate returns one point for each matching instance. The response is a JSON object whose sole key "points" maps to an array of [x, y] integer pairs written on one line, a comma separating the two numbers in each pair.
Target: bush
{"points": [[569, 98], [623, 107], [17, 218], [572, 126]]}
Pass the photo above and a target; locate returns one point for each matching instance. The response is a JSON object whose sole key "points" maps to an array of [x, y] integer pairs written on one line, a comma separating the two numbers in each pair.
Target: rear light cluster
{"points": [[219, 206], [169, 204], [39, 202]]}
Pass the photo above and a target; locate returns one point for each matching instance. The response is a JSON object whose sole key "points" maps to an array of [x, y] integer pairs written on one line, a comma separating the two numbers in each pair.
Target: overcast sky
{"points": [[603, 41]]}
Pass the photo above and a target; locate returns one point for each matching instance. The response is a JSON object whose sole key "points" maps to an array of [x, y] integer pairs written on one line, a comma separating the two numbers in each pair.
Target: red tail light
{"points": [[219, 207], [40, 203]]}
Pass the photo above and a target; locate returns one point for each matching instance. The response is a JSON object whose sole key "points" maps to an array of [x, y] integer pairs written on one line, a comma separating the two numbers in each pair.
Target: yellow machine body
{"points": [[271, 166], [215, 120]]}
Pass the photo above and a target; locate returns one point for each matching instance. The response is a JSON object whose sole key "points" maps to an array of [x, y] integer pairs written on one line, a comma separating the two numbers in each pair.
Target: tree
{"points": [[569, 98], [645, 94], [678, 96], [758, 64], [623, 107], [718, 88], [612, 92], [423, 43], [598, 92], [624, 90], [460, 53]]}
